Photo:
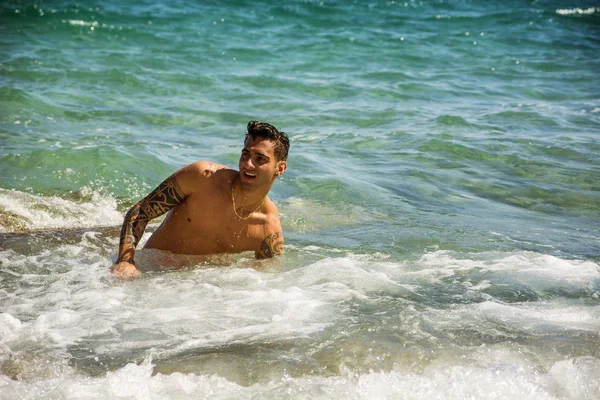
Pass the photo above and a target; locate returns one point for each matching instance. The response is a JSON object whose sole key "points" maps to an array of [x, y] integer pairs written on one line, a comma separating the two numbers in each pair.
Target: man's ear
{"points": [[281, 167]]}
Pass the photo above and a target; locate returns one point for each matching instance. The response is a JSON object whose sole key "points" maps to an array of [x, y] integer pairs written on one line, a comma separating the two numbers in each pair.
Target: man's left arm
{"points": [[272, 246]]}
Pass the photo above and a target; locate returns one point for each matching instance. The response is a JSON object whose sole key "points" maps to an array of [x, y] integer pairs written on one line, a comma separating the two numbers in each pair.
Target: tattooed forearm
{"points": [[134, 225], [166, 196], [271, 246]]}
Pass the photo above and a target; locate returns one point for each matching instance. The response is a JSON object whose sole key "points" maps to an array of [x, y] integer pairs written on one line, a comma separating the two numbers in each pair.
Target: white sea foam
{"points": [[540, 318], [24, 211], [578, 11], [195, 309], [533, 268], [576, 378], [71, 305], [78, 22]]}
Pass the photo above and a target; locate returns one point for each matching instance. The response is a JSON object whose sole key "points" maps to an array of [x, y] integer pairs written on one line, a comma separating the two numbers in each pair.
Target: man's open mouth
{"points": [[249, 175]]}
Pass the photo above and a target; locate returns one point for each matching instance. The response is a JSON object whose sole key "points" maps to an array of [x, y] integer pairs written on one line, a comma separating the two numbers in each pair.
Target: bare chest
{"points": [[208, 225]]}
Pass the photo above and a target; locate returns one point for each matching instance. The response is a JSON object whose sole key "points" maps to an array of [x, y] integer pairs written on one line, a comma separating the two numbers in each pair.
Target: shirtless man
{"points": [[213, 209]]}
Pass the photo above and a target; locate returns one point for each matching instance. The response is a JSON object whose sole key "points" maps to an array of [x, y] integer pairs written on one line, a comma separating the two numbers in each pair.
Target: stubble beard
{"points": [[255, 186]]}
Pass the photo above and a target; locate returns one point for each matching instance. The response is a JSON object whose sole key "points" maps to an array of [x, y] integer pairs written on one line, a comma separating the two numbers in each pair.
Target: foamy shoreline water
{"points": [[491, 317], [566, 379]]}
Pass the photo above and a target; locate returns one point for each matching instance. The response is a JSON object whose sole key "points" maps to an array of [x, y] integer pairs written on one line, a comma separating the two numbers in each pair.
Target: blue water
{"points": [[441, 207]]}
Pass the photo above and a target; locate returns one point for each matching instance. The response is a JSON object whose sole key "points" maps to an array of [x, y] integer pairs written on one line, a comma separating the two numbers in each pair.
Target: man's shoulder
{"points": [[272, 240], [267, 218], [211, 171], [271, 220], [202, 175], [207, 168]]}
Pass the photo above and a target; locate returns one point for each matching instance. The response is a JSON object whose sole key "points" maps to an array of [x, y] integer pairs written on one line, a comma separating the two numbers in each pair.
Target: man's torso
{"points": [[205, 223]]}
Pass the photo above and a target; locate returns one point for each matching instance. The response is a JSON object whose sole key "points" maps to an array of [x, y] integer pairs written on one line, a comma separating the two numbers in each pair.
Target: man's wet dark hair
{"points": [[268, 131]]}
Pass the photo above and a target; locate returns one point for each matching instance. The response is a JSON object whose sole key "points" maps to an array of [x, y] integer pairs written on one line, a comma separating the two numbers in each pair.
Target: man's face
{"points": [[258, 164]]}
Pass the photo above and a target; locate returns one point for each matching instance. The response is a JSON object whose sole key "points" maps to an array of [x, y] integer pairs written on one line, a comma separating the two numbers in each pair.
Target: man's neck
{"points": [[248, 197]]}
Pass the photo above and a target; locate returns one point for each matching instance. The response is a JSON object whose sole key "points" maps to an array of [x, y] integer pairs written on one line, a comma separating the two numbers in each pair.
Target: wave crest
{"points": [[23, 212]]}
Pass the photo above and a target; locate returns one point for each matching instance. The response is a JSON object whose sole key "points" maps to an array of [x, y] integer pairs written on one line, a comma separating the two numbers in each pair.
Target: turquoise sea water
{"points": [[441, 207]]}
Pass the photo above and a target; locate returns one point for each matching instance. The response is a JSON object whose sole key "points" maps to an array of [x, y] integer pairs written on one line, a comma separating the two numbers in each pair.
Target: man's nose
{"points": [[248, 163]]}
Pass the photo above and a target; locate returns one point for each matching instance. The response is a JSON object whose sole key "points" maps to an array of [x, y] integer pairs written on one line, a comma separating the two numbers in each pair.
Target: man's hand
{"points": [[124, 270]]}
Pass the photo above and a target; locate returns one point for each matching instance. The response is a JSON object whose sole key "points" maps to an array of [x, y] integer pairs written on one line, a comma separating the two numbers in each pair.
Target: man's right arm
{"points": [[166, 196]]}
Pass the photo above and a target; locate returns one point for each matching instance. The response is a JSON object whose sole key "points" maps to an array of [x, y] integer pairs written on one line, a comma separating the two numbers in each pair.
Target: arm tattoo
{"points": [[166, 196], [271, 246]]}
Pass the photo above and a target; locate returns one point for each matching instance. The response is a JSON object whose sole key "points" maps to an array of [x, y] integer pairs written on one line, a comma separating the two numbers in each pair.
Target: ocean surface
{"points": [[441, 206]]}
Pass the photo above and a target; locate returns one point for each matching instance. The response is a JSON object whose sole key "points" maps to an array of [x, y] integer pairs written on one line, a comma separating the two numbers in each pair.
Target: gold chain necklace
{"points": [[233, 202]]}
